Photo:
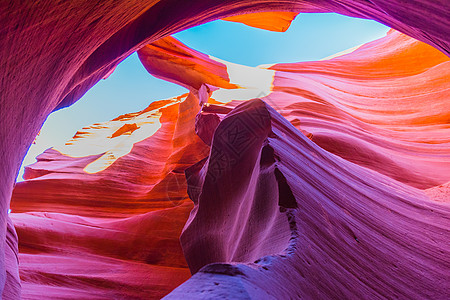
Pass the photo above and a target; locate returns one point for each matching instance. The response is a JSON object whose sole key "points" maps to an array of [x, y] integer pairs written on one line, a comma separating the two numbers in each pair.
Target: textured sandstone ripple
{"points": [[370, 222]]}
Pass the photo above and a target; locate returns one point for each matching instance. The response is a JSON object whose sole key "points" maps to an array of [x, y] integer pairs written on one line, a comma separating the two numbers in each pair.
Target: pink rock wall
{"points": [[293, 215], [320, 226], [53, 52], [247, 197]]}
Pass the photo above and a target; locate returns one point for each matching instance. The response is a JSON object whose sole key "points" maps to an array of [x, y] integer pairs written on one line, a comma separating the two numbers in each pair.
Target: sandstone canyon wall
{"points": [[382, 109], [259, 197], [107, 225]]}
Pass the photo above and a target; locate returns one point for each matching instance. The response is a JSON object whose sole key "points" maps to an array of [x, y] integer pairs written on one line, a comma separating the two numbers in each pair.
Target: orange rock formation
{"points": [[366, 221]]}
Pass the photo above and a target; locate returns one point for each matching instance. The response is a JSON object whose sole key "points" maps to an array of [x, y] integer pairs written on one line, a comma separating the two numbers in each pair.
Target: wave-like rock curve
{"points": [[304, 223], [101, 216], [52, 53]]}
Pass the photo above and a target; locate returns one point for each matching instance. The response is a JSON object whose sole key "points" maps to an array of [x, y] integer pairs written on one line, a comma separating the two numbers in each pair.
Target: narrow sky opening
{"points": [[130, 88], [310, 37]]}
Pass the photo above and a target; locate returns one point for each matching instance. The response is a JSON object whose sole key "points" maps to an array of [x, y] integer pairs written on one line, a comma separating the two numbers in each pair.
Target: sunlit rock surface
{"points": [[308, 224], [267, 190], [108, 207], [53, 52], [384, 106]]}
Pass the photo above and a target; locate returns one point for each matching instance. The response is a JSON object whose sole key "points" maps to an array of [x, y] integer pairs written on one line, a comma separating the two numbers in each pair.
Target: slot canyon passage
{"points": [[323, 180]]}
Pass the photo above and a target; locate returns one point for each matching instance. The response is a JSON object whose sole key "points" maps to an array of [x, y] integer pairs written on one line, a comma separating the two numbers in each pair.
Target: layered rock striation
{"points": [[311, 198], [300, 222], [101, 216], [376, 207]]}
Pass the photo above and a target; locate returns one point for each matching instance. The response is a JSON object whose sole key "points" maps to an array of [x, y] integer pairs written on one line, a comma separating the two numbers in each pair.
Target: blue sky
{"points": [[131, 88]]}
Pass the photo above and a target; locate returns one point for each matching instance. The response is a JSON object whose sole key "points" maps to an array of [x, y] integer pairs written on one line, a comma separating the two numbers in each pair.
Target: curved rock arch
{"points": [[53, 53]]}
